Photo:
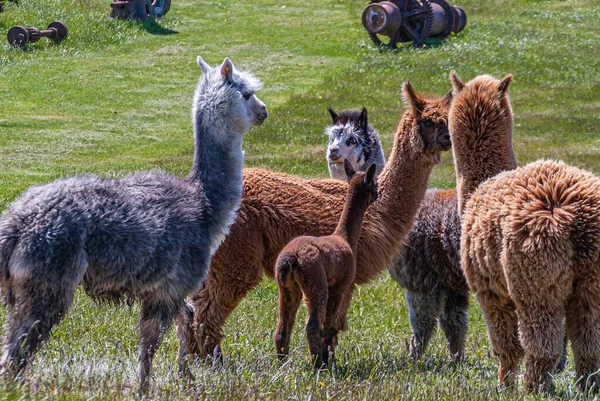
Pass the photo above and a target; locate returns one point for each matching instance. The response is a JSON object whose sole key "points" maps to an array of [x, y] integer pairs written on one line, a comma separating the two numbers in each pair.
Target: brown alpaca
{"points": [[530, 244], [278, 207], [322, 268]]}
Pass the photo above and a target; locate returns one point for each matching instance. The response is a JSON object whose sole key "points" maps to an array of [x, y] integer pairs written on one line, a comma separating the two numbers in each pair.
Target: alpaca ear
{"points": [[457, 83], [334, 116], [503, 87], [227, 70], [411, 99], [348, 169], [364, 120], [447, 98], [203, 66], [370, 176]]}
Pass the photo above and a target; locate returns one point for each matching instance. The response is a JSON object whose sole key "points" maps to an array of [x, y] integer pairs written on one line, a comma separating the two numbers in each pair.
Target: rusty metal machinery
{"points": [[139, 9], [19, 36], [411, 21]]}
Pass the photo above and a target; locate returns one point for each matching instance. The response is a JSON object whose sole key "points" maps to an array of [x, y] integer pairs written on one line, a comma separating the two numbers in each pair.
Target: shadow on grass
{"points": [[154, 28]]}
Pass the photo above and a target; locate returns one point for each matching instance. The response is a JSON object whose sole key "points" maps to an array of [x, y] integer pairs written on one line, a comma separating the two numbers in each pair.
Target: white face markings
{"points": [[345, 142]]}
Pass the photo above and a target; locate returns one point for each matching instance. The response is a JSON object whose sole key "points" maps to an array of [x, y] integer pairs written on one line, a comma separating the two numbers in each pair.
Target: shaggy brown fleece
{"points": [[323, 269], [277, 207], [530, 244]]}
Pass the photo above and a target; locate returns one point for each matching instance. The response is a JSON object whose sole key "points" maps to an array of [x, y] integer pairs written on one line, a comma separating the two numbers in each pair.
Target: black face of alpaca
{"points": [[432, 124], [435, 135]]}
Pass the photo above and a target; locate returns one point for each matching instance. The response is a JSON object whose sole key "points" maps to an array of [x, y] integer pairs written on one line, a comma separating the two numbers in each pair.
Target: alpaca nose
{"points": [[263, 113], [334, 153]]}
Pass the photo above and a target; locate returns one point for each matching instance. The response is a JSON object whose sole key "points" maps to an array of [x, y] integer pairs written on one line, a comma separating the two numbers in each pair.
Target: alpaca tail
{"points": [[285, 264], [546, 221]]}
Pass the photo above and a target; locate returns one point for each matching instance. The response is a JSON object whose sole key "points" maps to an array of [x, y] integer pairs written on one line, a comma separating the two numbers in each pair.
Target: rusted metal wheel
{"points": [[442, 26], [415, 22]]}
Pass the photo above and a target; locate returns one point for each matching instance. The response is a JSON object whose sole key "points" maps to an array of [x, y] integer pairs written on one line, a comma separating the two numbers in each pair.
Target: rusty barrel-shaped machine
{"points": [[412, 21]]}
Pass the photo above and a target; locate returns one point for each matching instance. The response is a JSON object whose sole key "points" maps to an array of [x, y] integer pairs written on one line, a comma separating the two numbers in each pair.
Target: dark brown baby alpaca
{"points": [[323, 268]]}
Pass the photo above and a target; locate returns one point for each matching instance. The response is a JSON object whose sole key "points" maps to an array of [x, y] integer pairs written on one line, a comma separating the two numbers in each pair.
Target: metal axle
{"points": [[19, 36]]}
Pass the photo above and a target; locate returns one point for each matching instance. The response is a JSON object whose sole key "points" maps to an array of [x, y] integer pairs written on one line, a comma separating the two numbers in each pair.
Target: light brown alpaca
{"points": [[323, 269], [530, 244], [278, 207]]}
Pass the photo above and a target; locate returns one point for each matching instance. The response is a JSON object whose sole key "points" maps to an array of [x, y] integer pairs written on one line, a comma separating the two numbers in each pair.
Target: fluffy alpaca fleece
{"points": [[277, 207], [146, 237], [323, 269], [429, 265], [352, 138], [530, 242], [429, 268]]}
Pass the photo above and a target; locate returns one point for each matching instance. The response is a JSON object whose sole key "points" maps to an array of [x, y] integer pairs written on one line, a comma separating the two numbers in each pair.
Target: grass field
{"points": [[115, 98]]}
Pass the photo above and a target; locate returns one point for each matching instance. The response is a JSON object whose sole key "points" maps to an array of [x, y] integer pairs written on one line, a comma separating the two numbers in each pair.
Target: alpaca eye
{"points": [[247, 96], [351, 142], [428, 123]]}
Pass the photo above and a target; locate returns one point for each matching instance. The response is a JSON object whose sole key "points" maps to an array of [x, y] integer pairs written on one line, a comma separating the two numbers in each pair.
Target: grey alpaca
{"points": [[146, 237], [429, 268], [352, 138]]}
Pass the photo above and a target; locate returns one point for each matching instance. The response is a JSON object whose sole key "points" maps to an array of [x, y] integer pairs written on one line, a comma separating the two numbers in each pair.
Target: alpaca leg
{"points": [[223, 290], [562, 362], [313, 282], [502, 325], [334, 310], [424, 309], [155, 320], [37, 306], [339, 323], [454, 321], [583, 326], [289, 302], [317, 306], [541, 331], [184, 327]]}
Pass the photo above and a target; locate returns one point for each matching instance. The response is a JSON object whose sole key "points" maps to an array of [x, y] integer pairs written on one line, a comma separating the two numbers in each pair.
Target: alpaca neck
{"points": [[351, 219], [477, 164], [217, 164], [402, 186]]}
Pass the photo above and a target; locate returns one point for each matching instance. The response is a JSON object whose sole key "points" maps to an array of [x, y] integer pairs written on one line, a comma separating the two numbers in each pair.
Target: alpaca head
{"points": [[429, 121], [350, 138], [362, 184], [227, 95], [481, 115], [481, 126]]}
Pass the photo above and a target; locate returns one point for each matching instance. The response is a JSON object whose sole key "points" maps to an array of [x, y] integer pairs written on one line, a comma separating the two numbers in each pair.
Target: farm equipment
{"points": [[19, 36], [412, 21], [139, 9]]}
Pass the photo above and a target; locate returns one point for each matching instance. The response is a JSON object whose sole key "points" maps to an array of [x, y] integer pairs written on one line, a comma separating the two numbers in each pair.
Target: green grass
{"points": [[115, 97]]}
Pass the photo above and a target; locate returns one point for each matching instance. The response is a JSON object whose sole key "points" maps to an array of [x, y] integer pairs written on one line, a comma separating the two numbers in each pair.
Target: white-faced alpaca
{"points": [[148, 237], [323, 269], [530, 241], [429, 265], [352, 138]]}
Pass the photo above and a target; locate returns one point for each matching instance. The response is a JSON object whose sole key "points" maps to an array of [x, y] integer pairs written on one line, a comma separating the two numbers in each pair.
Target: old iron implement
{"points": [[19, 36], [412, 21], [142, 10]]}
